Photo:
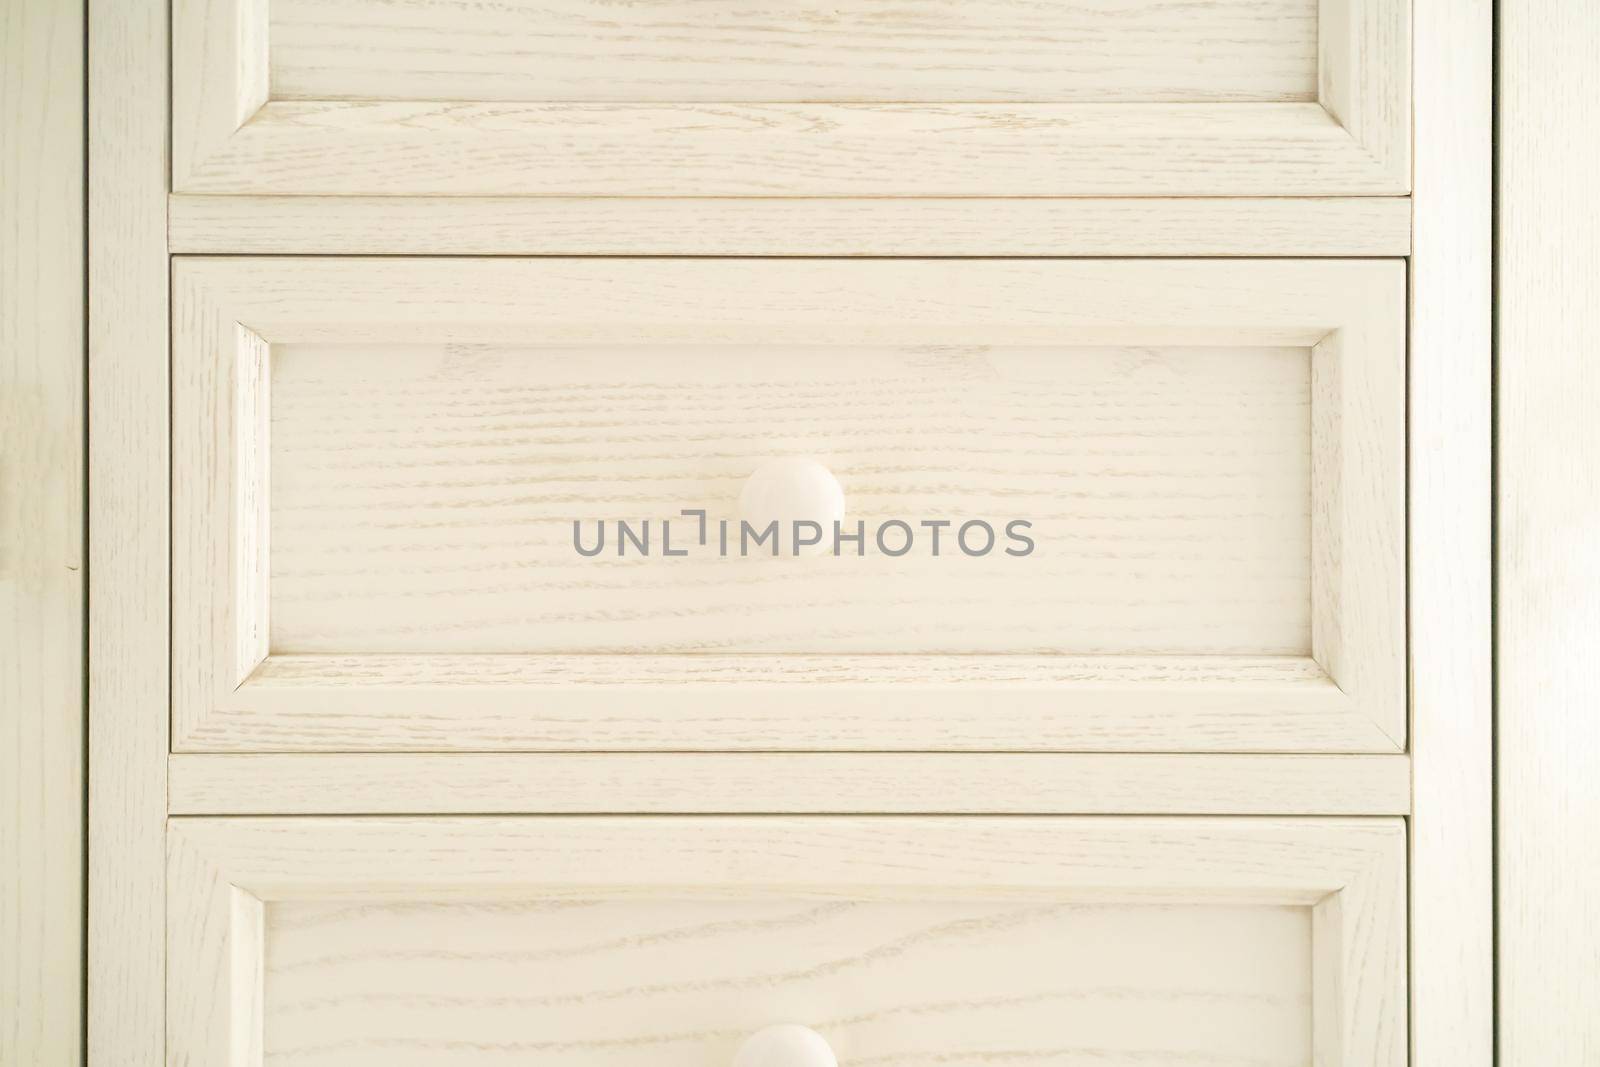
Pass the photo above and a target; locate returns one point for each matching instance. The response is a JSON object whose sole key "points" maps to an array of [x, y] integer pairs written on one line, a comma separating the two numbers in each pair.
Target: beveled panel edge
{"points": [[326, 703], [422, 148], [677, 226]]}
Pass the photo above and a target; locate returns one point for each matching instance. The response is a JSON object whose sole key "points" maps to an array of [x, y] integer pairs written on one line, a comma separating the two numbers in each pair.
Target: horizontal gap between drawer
{"points": [[786, 783], [1131, 227]]}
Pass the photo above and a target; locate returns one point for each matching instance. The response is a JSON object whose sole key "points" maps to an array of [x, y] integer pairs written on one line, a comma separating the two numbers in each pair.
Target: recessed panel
{"points": [[681, 982], [680, 51], [1060, 499]]}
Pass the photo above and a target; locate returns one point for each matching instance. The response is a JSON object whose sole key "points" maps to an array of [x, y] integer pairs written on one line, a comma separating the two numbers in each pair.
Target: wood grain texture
{"points": [[339, 148], [679, 983], [879, 107], [423, 499], [41, 533], [129, 548], [1352, 312], [1358, 505], [1547, 582], [243, 889], [754, 783], [921, 51], [610, 226], [1452, 949], [1364, 76], [716, 703]]}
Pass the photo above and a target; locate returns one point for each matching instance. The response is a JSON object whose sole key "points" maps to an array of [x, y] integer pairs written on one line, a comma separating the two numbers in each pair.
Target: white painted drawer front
{"points": [[594, 942], [1173, 495], [925, 97]]}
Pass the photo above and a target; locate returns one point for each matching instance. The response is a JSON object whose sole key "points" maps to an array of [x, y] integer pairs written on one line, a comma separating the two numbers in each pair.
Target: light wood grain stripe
{"points": [[602, 226], [1451, 423], [42, 547], [742, 783], [129, 530], [247, 893], [665, 51]]}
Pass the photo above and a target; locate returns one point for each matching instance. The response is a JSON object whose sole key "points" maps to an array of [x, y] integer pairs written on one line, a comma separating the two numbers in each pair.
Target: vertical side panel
{"points": [[1548, 522], [128, 533], [41, 533], [1451, 862]]}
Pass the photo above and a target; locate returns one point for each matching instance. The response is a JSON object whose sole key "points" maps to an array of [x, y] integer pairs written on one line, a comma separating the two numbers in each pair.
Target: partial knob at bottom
{"points": [[785, 1045]]}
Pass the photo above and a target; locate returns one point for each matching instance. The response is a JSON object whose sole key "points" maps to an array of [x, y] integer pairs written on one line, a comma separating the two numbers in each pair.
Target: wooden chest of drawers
{"points": [[1106, 689]]}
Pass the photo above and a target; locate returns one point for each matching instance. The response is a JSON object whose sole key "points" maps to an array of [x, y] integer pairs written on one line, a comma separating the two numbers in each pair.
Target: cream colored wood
{"points": [[334, 148], [924, 51], [129, 546], [872, 703], [1452, 946], [680, 983], [1357, 521], [1450, 950], [422, 499], [41, 534], [1364, 75], [999, 99], [607, 226], [754, 783], [798, 907], [1548, 515], [476, 694]]}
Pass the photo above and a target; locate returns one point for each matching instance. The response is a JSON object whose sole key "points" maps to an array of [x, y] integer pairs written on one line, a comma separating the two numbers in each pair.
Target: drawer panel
{"points": [[607, 941], [496, 504], [924, 51], [424, 499], [924, 98], [669, 982]]}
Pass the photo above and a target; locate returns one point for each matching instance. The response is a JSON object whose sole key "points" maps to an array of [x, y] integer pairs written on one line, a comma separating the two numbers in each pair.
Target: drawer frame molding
{"points": [[230, 692], [229, 136], [223, 873]]}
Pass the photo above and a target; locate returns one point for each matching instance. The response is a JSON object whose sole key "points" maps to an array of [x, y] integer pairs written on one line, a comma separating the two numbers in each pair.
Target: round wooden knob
{"points": [[785, 1045], [792, 489]]}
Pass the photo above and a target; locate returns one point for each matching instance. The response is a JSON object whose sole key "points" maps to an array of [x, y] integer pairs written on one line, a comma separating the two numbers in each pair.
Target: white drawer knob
{"points": [[785, 1045], [789, 489]]}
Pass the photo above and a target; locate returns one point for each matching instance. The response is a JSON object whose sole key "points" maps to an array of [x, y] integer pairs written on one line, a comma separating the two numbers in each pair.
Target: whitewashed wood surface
{"points": [[129, 531], [764, 52], [42, 550], [1108, 783], [681, 982], [423, 499], [927, 98], [589, 939], [891, 330], [775, 226], [1451, 433], [1547, 522], [1352, 138], [340, 148]]}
